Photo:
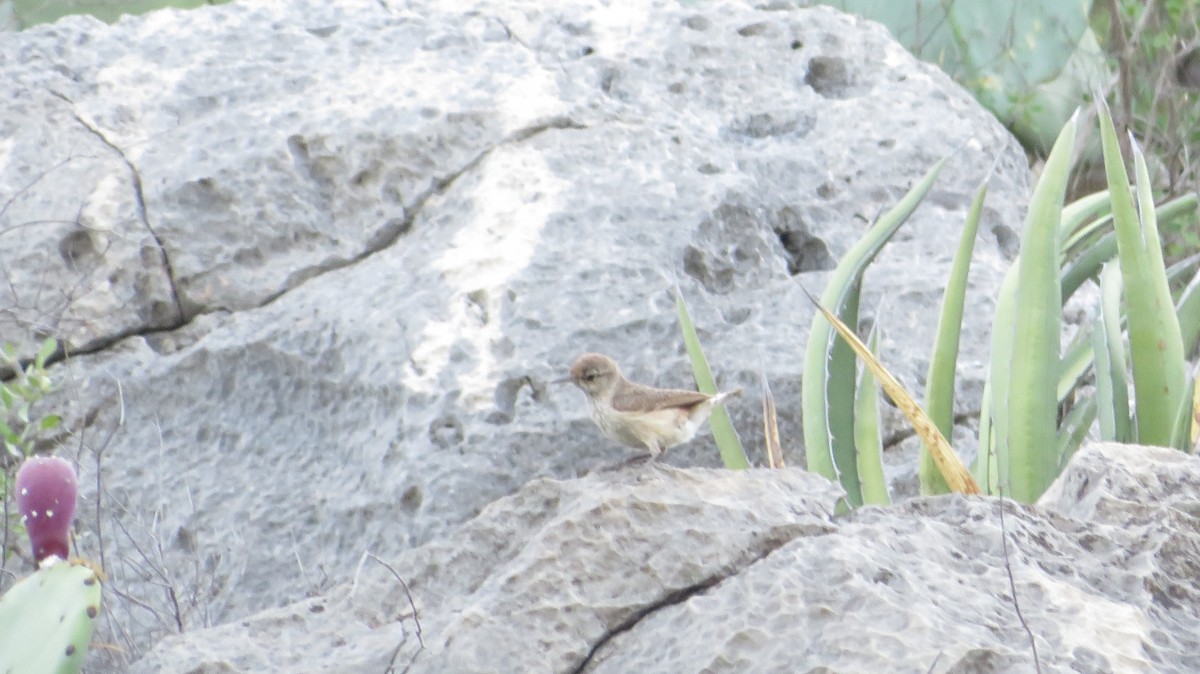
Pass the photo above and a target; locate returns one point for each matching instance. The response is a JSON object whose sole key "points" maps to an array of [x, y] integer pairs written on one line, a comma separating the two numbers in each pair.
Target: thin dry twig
{"points": [[407, 593], [391, 668], [98, 453], [774, 447]]}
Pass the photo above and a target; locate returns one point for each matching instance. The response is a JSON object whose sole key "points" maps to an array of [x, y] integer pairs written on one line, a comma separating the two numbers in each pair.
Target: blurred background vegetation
{"points": [[19, 14], [1033, 62]]}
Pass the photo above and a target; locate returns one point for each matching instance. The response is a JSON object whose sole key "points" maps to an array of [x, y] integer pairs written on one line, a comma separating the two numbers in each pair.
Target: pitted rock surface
{"points": [[316, 263], [666, 570]]}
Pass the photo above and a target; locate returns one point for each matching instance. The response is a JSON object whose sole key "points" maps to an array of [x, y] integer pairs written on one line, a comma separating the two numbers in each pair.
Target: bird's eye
{"points": [[591, 376]]}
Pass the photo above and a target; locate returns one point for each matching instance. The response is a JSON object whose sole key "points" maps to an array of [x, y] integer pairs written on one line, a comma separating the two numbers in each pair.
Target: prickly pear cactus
{"points": [[1031, 62], [46, 620]]}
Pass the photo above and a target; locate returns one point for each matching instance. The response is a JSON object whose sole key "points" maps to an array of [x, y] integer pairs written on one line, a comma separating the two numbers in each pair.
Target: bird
{"points": [[638, 416]]}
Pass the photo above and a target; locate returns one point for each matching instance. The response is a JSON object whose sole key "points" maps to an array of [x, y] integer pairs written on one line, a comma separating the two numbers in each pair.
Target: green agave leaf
{"points": [[1156, 346], [1073, 430], [956, 474], [1181, 432], [994, 424], [1188, 311], [827, 390], [1086, 265], [1082, 218], [730, 446], [1032, 397], [1074, 367], [939, 389], [867, 437], [1086, 257], [1112, 387]]}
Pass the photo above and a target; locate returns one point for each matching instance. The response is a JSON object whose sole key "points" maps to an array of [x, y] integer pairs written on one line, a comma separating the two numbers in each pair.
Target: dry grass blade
{"points": [[1196, 415], [771, 426], [956, 474]]}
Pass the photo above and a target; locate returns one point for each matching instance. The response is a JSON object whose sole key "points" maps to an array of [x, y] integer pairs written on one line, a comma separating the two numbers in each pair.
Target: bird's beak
{"points": [[564, 380]]}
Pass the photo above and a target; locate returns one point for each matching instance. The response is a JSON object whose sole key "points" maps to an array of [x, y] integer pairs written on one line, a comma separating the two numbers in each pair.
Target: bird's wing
{"points": [[646, 399]]}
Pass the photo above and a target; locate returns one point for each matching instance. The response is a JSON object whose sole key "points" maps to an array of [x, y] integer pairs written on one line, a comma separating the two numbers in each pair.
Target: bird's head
{"points": [[596, 374]]}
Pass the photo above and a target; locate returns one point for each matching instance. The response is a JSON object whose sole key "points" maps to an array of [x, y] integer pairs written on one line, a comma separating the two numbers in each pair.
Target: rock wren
{"points": [[643, 417]]}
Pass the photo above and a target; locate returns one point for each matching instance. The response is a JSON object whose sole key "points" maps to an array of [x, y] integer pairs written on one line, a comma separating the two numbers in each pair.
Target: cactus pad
{"points": [[46, 619]]}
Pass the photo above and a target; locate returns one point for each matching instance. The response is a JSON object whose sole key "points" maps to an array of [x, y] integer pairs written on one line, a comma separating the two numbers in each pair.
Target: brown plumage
{"points": [[640, 416]]}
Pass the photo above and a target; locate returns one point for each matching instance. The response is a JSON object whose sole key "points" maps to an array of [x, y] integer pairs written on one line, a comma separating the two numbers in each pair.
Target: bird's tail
{"points": [[720, 398]]}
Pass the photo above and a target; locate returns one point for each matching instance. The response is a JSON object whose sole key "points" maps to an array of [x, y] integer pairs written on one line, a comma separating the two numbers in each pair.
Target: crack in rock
{"points": [[441, 185], [139, 196], [391, 231], [387, 235], [677, 597]]}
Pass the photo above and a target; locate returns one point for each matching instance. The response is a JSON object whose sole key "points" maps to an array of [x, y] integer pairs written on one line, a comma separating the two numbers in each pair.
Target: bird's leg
{"points": [[631, 461]]}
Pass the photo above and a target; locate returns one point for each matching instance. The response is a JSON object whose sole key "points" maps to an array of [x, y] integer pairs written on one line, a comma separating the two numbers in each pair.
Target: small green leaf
{"points": [[1112, 387], [939, 388], [1075, 366], [1181, 431], [1032, 399], [867, 438], [1188, 311], [48, 348], [7, 432], [730, 446], [49, 422], [1074, 429]]}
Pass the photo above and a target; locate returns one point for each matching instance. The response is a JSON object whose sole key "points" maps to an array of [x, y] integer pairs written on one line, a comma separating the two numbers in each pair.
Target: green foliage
{"points": [[1037, 409], [1033, 62], [46, 619], [33, 12], [939, 391], [1038, 402], [732, 454], [19, 426], [830, 374], [1026, 464], [1145, 43], [1030, 62], [868, 440], [1156, 344]]}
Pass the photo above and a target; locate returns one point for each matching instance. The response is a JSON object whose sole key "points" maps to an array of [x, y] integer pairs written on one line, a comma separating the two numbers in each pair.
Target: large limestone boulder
{"points": [[666, 570], [315, 263]]}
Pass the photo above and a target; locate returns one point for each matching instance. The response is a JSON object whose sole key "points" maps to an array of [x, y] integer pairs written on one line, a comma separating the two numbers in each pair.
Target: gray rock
{"points": [[538, 580], [317, 262], [668, 570]]}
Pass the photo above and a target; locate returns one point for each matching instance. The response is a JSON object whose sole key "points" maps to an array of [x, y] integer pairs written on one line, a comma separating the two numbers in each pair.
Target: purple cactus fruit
{"points": [[46, 487]]}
